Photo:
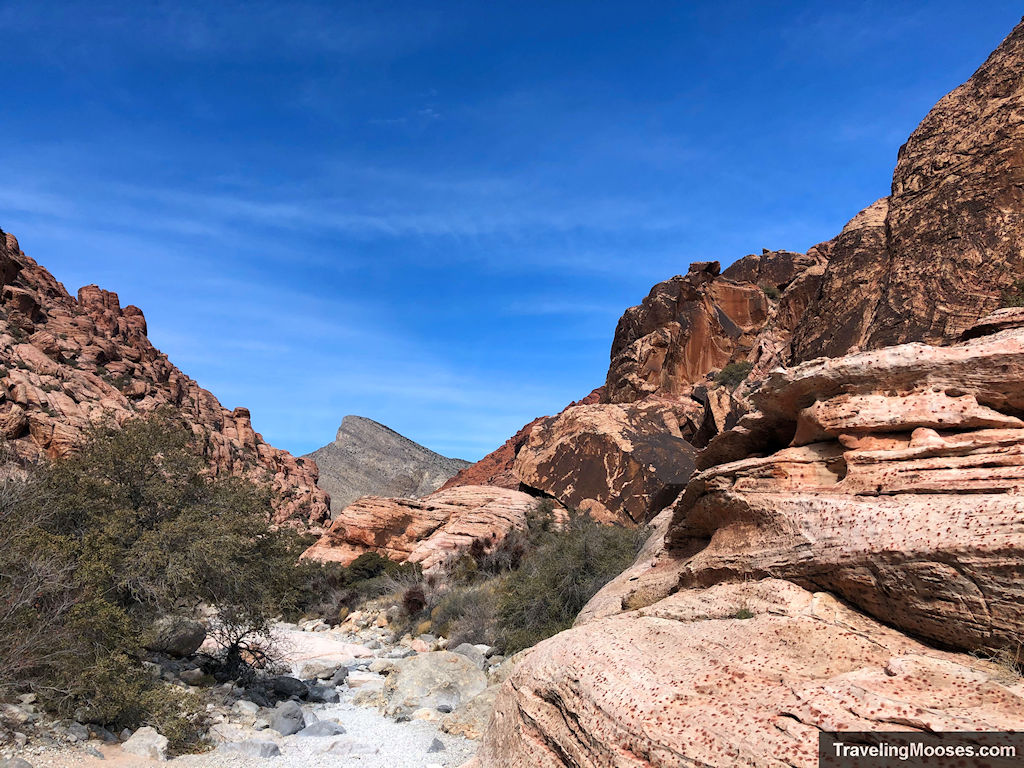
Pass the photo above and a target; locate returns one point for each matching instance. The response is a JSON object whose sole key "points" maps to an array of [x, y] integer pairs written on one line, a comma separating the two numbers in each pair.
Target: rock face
{"points": [[737, 674], [497, 467], [900, 491], [68, 363], [892, 480], [367, 458], [619, 463], [697, 323], [947, 245], [426, 531]]}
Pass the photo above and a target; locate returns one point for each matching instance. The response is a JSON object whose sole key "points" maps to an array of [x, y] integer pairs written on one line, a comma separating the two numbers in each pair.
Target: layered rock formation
{"points": [[70, 363], [697, 323], [368, 458], [948, 249], [425, 531], [737, 674], [892, 479]]}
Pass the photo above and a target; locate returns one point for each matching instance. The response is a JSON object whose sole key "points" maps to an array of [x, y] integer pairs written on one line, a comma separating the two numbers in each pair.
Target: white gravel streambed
{"points": [[370, 740]]}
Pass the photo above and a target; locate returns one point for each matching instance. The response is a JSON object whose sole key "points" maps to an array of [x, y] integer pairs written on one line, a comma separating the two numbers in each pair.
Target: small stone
{"points": [[436, 746]]}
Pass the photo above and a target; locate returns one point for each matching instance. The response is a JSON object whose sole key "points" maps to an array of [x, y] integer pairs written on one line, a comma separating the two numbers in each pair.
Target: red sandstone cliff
{"points": [[68, 363]]}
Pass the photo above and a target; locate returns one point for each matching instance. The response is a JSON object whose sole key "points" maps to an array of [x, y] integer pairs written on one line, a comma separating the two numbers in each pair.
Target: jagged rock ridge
{"points": [[68, 363], [367, 458]]}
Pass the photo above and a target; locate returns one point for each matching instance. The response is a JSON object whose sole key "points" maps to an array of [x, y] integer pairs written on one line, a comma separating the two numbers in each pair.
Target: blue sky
{"points": [[433, 214]]}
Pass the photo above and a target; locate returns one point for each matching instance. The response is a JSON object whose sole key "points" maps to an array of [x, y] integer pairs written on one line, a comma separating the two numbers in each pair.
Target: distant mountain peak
{"points": [[368, 458]]}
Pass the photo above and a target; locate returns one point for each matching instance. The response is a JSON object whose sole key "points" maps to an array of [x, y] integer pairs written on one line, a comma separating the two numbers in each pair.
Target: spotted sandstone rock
{"points": [[426, 531]]}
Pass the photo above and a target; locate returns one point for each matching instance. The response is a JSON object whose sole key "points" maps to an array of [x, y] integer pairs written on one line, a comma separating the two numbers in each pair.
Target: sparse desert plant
{"points": [[1014, 295], [556, 579], [743, 613], [733, 374], [771, 291]]}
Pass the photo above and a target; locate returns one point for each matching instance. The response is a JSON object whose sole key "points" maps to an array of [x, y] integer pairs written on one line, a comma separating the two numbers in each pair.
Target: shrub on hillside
{"points": [[733, 374], [557, 578], [99, 544]]}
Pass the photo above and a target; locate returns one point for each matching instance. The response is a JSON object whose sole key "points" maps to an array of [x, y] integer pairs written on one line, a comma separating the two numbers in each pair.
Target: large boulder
{"points": [[146, 742], [437, 680], [177, 636], [425, 531], [619, 463], [736, 674], [287, 718]]}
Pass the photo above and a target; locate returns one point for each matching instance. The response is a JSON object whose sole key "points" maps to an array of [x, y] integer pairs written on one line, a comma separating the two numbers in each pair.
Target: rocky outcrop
{"points": [[737, 674], [697, 323], [69, 363], [497, 467], [892, 480], [619, 463], [367, 458], [425, 531], [944, 248], [900, 489]]}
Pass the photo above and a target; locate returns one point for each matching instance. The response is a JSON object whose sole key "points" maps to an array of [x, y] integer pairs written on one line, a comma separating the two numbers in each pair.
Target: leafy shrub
{"points": [[557, 578], [733, 374], [466, 614], [101, 543]]}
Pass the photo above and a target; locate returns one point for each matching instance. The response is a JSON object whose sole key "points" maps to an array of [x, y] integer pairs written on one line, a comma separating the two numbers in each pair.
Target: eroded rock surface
{"points": [[426, 531], [900, 491], [68, 363], [944, 249], [619, 463], [737, 674]]}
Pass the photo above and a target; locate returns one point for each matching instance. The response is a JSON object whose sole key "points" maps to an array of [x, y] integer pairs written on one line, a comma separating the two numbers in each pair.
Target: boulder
{"points": [[285, 685], [471, 652], [15, 762], [146, 742], [287, 718], [322, 729], [177, 636], [439, 680], [619, 463], [470, 721], [426, 531], [735, 674], [253, 748]]}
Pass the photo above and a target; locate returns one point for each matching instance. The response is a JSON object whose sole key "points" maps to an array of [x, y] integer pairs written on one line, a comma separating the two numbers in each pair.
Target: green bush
{"points": [[1014, 296], [771, 291], [100, 544], [733, 374], [557, 578]]}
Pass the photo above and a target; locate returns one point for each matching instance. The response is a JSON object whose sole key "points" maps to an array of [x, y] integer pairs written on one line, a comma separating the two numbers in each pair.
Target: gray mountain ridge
{"points": [[370, 459]]}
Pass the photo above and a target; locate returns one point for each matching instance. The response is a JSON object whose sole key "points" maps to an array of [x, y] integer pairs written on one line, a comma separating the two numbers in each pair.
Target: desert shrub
{"points": [[733, 374], [1014, 295], [414, 600], [131, 528], [466, 614], [771, 291], [557, 578]]}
